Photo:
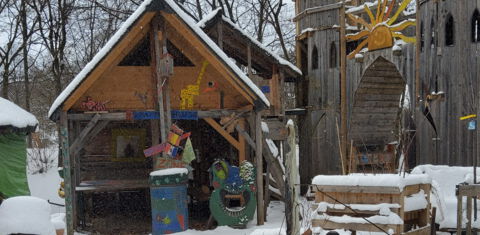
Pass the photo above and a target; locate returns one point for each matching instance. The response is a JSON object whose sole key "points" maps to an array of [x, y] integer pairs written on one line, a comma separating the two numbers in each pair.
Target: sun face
{"points": [[380, 32]]}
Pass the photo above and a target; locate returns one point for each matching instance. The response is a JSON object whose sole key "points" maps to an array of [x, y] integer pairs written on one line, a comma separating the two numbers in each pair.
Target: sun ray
{"points": [[360, 21], [390, 8], [370, 14], [359, 47], [399, 10], [359, 35], [404, 38], [384, 4], [379, 9], [402, 25]]}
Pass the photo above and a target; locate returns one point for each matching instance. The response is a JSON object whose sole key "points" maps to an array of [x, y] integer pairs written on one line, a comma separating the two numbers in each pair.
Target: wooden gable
{"points": [[200, 80]]}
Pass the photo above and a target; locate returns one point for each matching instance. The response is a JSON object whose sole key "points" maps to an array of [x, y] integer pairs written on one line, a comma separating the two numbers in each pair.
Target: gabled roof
{"points": [[152, 6], [264, 54], [12, 116]]}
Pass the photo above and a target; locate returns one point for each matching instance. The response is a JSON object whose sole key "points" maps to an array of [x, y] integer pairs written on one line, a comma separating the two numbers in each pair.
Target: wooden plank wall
{"points": [[317, 129], [453, 70], [404, 63], [96, 160]]}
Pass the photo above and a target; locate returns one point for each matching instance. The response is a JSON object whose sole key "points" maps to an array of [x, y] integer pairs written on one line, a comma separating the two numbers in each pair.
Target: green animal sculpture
{"points": [[231, 182]]}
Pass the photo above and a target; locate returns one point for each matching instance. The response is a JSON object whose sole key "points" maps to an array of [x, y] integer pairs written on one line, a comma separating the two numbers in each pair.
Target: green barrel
{"points": [[168, 191]]}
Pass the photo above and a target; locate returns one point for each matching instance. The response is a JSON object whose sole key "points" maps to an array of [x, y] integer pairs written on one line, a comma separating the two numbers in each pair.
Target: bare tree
{"points": [[275, 9], [53, 21]]}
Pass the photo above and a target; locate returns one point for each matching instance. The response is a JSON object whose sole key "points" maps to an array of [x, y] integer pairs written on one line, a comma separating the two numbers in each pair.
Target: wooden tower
{"points": [[449, 68]]}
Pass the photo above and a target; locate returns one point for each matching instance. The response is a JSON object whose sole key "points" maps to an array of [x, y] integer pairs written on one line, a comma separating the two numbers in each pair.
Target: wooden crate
{"points": [[415, 222]]}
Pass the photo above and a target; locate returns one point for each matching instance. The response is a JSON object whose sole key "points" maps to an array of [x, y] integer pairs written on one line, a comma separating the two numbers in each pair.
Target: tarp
{"points": [[13, 171]]}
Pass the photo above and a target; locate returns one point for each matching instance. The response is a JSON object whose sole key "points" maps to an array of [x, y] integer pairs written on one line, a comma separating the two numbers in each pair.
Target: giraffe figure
{"points": [[188, 94]]}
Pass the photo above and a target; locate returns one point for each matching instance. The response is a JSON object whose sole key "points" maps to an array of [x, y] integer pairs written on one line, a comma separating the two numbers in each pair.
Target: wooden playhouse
{"points": [[159, 69]]}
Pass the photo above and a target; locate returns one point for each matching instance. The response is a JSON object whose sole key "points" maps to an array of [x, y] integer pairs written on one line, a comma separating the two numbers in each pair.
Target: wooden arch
{"points": [[376, 104]]}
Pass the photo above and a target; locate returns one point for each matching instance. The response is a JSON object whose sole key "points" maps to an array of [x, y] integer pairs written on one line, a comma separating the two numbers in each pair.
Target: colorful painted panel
{"points": [[169, 209]]}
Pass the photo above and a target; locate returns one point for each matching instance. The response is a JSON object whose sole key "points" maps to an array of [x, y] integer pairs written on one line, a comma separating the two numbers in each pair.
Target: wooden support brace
{"points": [[222, 132], [77, 144], [99, 127], [246, 136]]}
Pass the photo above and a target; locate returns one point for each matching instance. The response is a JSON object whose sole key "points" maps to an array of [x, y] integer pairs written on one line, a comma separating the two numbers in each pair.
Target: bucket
{"points": [[169, 201]]}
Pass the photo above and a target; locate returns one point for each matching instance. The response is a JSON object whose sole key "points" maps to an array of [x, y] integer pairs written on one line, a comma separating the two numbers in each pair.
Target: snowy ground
{"points": [[275, 224], [46, 186]]}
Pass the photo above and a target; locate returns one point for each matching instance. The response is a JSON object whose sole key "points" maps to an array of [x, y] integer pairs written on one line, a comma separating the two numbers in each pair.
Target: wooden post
{"points": [[67, 173], [158, 39], [259, 160], [155, 130], [249, 61], [459, 212], [417, 55], [469, 215], [343, 84], [267, 189]]}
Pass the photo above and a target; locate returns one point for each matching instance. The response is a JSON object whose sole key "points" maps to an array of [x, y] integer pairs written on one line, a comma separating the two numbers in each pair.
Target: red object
{"points": [[175, 129], [129, 115], [91, 105], [186, 135], [180, 221]]}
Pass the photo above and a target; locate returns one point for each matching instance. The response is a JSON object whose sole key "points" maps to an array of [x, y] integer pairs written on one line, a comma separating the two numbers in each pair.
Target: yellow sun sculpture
{"points": [[380, 32]]}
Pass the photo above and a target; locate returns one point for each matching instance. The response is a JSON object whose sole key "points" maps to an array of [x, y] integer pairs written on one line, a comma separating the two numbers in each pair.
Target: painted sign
{"points": [[184, 115], [188, 94], [472, 125], [265, 89], [146, 115], [154, 115]]}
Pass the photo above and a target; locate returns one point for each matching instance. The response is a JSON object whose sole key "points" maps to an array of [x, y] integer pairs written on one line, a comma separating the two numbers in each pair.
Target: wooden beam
{"points": [[98, 128], [259, 161], [121, 116], [241, 142], [246, 136], [222, 132], [77, 144], [115, 55], [312, 10]]}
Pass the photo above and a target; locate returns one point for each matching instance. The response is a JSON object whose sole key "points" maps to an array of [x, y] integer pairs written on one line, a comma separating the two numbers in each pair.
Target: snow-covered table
{"points": [[376, 203]]}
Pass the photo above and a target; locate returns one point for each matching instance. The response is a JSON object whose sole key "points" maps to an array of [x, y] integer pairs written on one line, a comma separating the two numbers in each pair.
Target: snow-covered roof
{"points": [[14, 116], [218, 13], [125, 28]]}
